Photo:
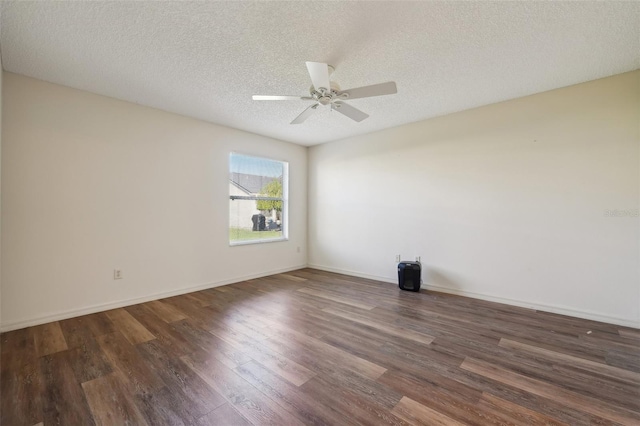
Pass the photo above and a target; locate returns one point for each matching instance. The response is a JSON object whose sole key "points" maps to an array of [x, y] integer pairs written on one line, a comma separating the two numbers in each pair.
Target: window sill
{"points": [[262, 241]]}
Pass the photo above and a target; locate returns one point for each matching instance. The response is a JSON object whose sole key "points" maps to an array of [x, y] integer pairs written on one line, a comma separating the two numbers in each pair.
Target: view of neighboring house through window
{"points": [[257, 199]]}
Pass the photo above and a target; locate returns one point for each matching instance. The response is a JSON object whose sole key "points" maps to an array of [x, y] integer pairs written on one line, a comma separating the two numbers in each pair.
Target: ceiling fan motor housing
{"points": [[325, 97]]}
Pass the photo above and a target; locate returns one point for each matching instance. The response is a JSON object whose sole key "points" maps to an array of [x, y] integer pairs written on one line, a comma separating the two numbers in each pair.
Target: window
{"points": [[257, 199]]}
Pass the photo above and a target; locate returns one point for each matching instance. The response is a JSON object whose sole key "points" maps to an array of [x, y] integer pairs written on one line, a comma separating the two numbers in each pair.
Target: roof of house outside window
{"points": [[251, 184]]}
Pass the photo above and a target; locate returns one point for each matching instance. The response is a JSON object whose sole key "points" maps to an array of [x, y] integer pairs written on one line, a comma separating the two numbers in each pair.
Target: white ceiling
{"points": [[205, 60]]}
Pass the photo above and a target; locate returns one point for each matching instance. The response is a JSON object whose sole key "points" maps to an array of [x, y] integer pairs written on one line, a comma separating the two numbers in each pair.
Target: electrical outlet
{"points": [[397, 258], [417, 258], [298, 249], [117, 274]]}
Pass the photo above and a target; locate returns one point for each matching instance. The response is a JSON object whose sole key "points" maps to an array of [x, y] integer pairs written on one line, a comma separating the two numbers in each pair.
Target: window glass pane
{"points": [[247, 223], [257, 199]]}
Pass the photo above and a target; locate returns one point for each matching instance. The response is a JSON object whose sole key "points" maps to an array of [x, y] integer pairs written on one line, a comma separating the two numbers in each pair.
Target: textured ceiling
{"points": [[205, 60]]}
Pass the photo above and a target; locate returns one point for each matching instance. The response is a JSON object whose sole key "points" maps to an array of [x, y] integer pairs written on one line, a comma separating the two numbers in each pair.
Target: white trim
{"points": [[119, 304], [57, 316], [284, 223], [537, 306], [256, 241]]}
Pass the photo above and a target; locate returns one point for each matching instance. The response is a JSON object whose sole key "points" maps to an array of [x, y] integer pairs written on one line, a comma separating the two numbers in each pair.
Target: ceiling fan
{"points": [[327, 93]]}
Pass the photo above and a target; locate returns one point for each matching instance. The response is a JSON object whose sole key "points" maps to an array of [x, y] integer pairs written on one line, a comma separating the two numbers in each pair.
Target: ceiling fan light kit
{"points": [[328, 93]]}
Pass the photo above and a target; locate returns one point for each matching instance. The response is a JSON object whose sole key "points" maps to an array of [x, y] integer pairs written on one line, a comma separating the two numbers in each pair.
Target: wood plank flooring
{"points": [[312, 347]]}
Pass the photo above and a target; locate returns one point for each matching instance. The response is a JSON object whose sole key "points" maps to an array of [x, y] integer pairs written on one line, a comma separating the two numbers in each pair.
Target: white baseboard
{"points": [[57, 316], [513, 302], [72, 313]]}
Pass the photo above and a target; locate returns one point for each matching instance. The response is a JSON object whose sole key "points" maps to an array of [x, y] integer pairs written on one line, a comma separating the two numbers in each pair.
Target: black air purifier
{"points": [[409, 275]]}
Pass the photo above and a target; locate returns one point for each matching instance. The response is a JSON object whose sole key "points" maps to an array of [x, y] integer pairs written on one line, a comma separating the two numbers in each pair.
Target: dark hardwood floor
{"points": [[312, 347]]}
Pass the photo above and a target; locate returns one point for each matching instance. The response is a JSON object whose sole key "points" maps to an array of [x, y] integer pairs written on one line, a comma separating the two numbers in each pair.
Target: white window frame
{"points": [[285, 202]]}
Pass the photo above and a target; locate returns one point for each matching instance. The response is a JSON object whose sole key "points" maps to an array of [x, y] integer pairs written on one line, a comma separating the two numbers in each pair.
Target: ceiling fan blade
{"points": [[319, 73], [280, 98], [305, 114], [345, 109], [388, 88]]}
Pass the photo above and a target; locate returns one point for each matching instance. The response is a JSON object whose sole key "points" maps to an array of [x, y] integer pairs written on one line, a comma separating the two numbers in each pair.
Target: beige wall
{"points": [[90, 184], [505, 202], [1, 75]]}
